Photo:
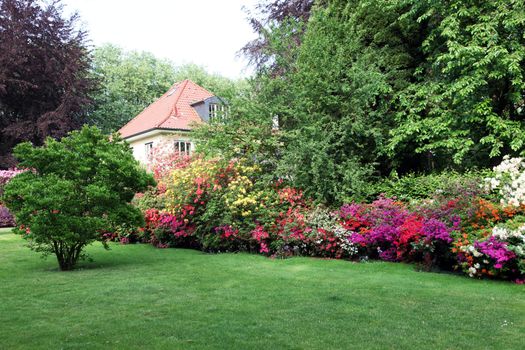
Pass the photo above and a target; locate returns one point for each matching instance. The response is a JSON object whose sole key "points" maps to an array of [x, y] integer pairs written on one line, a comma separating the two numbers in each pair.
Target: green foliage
{"points": [[76, 189], [382, 86], [449, 184], [465, 97], [329, 105], [129, 82]]}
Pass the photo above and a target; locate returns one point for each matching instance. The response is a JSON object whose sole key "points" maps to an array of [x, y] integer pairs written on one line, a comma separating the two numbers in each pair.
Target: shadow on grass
{"points": [[102, 265]]}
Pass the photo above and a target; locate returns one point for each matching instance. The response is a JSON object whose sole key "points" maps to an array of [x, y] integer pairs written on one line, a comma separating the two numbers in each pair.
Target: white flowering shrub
{"points": [[329, 236], [509, 181], [503, 250], [515, 239]]}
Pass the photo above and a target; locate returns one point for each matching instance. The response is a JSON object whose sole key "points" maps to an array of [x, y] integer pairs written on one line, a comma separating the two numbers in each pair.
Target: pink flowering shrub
{"points": [[6, 218], [261, 238], [221, 206], [388, 230]]}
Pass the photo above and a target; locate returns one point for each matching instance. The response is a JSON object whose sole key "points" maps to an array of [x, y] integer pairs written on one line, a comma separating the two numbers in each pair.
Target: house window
{"points": [[148, 147], [182, 147], [217, 112]]}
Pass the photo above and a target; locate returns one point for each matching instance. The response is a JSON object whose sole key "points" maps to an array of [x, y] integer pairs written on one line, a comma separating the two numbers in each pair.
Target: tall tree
{"points": [[465, 103], [280, 26], [404, 85], [129, 82], [44, 81]]}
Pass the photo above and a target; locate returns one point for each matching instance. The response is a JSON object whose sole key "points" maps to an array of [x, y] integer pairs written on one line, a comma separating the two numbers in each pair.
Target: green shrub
{"points": [[414, 186], [77, 189]]}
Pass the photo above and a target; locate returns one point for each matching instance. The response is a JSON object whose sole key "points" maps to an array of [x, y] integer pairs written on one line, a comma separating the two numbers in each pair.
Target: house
{"points": [[170, 119]]}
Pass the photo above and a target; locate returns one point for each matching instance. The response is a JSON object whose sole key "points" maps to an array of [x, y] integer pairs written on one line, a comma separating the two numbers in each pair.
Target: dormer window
{"points": [[217, 112], [182, 147]]}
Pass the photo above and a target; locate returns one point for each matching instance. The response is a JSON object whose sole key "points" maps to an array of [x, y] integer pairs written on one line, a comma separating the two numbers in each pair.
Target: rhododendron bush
{"points": [[218, 205], [6, 218]]}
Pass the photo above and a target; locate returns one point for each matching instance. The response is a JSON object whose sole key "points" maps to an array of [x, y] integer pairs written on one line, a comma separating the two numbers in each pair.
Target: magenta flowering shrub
{"points": [[227, 207], [261, 237], [501, 254], [386, 229], [6, 218], [496, 250]]}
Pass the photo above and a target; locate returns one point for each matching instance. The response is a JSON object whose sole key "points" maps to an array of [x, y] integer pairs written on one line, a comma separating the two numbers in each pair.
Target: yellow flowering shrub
{"points": [[222, 200]]}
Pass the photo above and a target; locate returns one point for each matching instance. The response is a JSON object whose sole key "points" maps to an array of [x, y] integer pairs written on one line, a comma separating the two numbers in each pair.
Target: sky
{"points": [[206, 32]]}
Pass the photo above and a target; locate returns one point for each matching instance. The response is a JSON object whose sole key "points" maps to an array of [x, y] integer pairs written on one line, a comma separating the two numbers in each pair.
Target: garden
{"points": [[257, 261], [365, 188], [134, 296], [472, 225]]}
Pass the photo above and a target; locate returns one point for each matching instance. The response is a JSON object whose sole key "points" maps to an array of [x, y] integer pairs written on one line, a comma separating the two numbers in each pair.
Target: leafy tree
{"points": [[363, 88], [271, 21], [76, 189], [465, 101], [44, 81], [129, 82], [333, 100]]}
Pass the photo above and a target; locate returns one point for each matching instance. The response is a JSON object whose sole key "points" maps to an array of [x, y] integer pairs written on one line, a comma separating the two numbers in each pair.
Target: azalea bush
{"points": [[6, 218], [500, 254], [509, 181], [217, 205]]}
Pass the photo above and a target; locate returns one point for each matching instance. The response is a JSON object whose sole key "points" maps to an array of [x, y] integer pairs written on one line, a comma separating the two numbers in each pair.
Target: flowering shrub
{"points": [[502, 254], [388, 230], [509, 180], [261, 237], [6, 218], [229, 206]]}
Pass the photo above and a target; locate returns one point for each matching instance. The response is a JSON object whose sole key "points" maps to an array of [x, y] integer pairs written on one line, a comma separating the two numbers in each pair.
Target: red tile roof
{"points": [[172, 110]]}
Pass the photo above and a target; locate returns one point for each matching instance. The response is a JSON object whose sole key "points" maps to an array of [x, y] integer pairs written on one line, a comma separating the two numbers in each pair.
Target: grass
{"points": [[136, 296]]}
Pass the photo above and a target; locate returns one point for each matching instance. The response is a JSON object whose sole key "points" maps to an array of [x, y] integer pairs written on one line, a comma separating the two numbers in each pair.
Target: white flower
{"points": [[509, 179], [472, 271]]}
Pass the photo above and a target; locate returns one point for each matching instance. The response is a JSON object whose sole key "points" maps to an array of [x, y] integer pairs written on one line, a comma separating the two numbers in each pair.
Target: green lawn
{"points": [[136, 296]]}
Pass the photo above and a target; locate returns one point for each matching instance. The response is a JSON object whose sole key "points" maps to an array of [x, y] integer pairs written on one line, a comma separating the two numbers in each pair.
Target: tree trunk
{"points": [[67, 256]]}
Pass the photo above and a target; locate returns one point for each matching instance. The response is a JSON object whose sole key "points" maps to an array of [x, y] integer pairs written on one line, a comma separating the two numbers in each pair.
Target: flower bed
{"points": [[231, 206]]}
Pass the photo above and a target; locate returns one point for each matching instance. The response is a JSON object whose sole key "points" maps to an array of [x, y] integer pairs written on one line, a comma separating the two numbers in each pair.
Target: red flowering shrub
{"points": [[228, 206]]}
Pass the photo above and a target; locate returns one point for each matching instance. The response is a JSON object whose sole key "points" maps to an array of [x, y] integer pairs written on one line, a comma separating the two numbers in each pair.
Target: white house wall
{"points": [[138, 143]]}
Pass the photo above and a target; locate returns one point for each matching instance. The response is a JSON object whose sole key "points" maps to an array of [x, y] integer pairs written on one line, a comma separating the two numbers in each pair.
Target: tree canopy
{"points": [[130, 80], [44, 83], [363, 89], [76, 190]]}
